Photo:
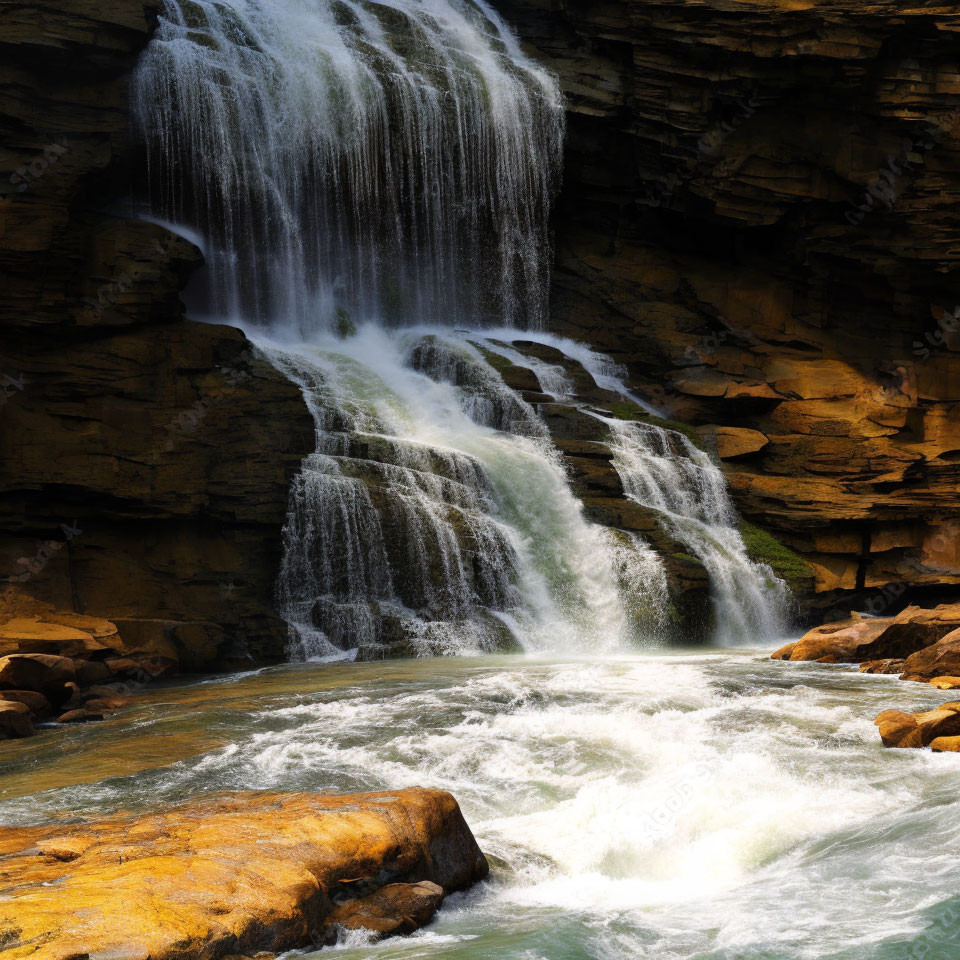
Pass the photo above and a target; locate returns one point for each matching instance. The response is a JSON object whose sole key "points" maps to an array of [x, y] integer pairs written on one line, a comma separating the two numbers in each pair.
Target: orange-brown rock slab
{"points": [[43, 672], [900, 729], [945, 683], [38, 705], [946, 745], [234, 874], [838, 641], [913, 630], [15, 720], [941, 659], [914, 635]]}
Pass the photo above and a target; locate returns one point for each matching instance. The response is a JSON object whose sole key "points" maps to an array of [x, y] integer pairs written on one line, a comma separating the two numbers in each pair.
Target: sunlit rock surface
{"points": [[240, 873]]}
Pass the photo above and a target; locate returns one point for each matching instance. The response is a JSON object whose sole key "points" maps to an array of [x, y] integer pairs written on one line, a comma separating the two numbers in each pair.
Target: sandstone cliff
{"points": [[760, 220], [144, 459]]}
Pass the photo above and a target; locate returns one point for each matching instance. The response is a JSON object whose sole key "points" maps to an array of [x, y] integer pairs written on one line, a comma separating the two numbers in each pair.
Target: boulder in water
{"points": [[15, 721], [234, 874], [397, 908], [888, 666], [43, 672], [900, 729], [886, 639], [911, 630], [838, 642]]}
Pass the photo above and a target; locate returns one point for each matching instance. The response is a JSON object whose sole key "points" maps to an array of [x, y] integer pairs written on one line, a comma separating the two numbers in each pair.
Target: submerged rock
{"points": [[235, 874]]}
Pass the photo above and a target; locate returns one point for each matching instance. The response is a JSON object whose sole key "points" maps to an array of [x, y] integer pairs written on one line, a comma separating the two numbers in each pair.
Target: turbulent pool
{"points": [[683, 805]]}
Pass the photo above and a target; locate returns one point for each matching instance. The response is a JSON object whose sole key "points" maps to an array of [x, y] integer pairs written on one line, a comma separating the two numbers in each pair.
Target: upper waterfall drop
{"points": [[354, 160]]}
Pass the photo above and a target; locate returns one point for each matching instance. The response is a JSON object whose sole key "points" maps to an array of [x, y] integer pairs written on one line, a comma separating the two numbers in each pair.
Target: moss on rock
{"points": [[764, 547]]}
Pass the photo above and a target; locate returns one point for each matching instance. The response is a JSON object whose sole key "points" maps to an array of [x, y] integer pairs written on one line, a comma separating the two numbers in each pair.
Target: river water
{"points": [[684, 804]]}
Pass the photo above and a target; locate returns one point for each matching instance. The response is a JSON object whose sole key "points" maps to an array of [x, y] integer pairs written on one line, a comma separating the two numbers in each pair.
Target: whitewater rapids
{"points": [[682, 806]]}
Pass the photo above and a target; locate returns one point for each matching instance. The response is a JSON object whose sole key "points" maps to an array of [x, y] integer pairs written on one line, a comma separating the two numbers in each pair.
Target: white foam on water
{"points": [[687, 807]]}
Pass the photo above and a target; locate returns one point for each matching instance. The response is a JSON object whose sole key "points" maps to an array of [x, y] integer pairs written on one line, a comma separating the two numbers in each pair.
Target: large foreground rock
{"points": [[234, 874]]}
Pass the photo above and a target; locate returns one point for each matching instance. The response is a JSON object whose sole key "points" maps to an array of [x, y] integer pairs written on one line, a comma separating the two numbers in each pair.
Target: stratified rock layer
{"points": [[760, 219], [232, 875], [144, 459]]}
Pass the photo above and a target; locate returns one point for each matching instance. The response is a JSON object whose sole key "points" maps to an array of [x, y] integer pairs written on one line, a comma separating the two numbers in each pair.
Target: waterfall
{"points": [[354, 160], [371, 181], [663, 470]]}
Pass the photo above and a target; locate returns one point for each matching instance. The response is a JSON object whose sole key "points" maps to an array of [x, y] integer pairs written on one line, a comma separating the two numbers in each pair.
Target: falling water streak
{"points": [[352, 160], [663, 470]]}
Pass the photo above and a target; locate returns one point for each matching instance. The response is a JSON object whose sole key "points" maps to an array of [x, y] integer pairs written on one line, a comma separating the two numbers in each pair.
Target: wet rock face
{"points": [[759, 218], [144, 459], [238, 874]]}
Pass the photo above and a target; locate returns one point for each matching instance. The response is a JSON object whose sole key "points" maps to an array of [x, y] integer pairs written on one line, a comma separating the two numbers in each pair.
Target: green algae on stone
{"points": [[764, 547]]}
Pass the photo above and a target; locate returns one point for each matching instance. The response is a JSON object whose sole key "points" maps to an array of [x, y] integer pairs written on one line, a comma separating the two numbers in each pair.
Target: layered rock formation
{"points": [[68, 667], [144, 459], [760, 220], [238, 874]]}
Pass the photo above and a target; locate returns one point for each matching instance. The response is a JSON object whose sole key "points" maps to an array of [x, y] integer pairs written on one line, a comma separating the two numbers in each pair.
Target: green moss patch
{"points": [[764, 547]]}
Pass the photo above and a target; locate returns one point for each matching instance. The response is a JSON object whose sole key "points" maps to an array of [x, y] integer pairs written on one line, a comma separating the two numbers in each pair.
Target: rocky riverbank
{"points": [[59, 666], [918, 645], [240, 874]]}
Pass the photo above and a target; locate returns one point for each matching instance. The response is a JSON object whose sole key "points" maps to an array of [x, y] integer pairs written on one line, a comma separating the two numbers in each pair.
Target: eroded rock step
{"points": [[583, 440]]}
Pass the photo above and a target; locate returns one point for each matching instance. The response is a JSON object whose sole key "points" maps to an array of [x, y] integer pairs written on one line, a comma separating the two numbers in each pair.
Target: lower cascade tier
{"points": [[475, 492]]}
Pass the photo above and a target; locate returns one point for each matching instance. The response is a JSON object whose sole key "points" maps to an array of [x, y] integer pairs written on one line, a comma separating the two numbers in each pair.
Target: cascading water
{"points": [[378, 165], [662, 469], [354, 160], [436, 517]]}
